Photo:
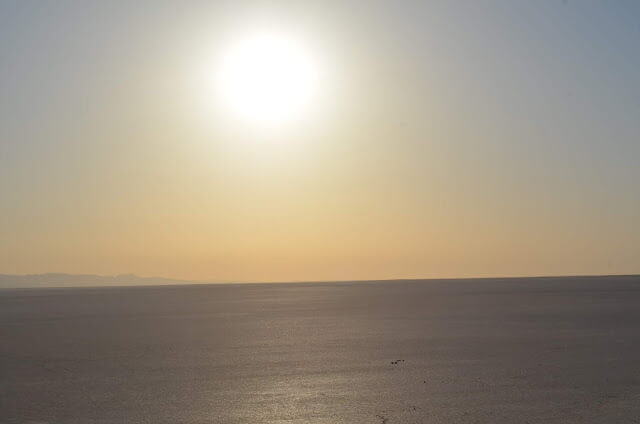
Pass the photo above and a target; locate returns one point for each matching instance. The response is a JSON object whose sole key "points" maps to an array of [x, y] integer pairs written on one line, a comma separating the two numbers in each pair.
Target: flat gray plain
{"points": [[552, 350]]}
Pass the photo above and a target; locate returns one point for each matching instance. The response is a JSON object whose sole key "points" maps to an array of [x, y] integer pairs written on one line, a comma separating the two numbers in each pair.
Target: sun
{"points": [[267, 78]]}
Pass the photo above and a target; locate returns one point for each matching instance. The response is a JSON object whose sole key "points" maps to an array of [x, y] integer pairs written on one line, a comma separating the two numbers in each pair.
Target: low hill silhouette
{"points": [[82, 280]]}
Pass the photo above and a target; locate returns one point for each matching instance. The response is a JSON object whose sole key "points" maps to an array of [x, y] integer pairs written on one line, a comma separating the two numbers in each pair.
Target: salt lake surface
{"points": [[554, 350]]}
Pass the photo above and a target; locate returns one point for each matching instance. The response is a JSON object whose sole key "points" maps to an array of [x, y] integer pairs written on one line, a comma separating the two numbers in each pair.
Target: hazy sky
{"points": [[447, 139]]}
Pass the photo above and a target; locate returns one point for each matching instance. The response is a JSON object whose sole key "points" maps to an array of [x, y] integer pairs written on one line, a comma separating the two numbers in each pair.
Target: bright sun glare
{"points": [[267, 78]]}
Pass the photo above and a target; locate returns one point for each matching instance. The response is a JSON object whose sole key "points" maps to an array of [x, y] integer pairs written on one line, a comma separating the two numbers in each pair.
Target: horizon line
{"points": [[174, 282]]}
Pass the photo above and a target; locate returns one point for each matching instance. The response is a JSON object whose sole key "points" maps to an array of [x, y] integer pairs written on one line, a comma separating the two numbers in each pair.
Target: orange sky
{"points": [[438, 145]]}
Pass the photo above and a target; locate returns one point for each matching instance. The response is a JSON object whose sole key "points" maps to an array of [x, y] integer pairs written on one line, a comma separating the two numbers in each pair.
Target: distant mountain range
{"points": [[83, 280]]}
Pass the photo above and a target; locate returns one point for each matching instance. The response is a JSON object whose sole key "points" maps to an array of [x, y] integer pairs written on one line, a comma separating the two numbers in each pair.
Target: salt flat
{"points": [[552, 350]]}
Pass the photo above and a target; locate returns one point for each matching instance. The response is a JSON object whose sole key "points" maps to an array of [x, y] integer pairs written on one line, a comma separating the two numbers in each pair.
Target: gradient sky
{"points": [[450, 139]]}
